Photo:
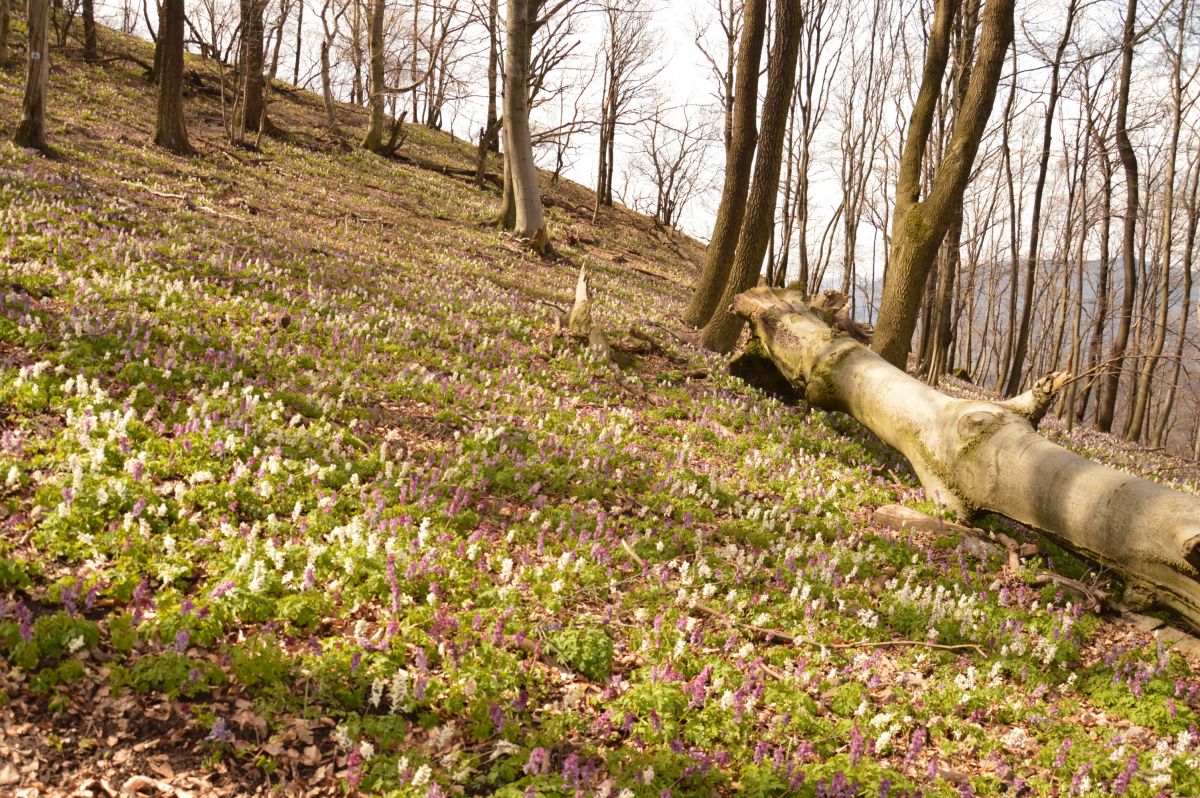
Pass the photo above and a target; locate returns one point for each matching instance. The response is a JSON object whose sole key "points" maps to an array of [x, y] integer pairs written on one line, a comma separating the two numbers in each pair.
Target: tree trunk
{"points": [[254, 101], [32, 130], [1016, 368], [5, 25], [976, 456], [1112, 377], [738, 162], [169, 131], [919, 225], [88, 10], [1192, 182], [493, 73], [1141, 393], [373, 140], [327, 86], [299, 43], [721, 332], [528, 220]]}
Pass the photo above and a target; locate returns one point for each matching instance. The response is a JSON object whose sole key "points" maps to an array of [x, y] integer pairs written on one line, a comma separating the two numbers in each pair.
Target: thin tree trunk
{"points": [[1141, 393], [1017, 366], [32, 130], [1116, 360], [721, 332], [1103, 283], [493, 73], [738, 163], [1189, 249], [170, 132], [299, 43]]}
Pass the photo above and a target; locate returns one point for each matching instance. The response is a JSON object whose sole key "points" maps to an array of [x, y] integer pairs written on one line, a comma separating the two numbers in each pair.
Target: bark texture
{"points": [[528, 219], [169, 131], [254, 106], [32, 130], [919, 225], [977, 455], [5, 25], [739, 160], [721, 332]]}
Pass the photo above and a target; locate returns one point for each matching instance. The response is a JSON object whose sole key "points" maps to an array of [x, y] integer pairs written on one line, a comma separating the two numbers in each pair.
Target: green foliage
{"points": [[585, 649]]}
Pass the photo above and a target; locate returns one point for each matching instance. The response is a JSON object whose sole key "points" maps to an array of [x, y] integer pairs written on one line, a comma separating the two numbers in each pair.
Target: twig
{"points": [[1097, 598], [633, 554], [775, 634]]}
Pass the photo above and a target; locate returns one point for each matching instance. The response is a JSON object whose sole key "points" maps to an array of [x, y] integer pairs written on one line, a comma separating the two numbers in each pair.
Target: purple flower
{"points": [[220, 732], [182, 637], [539, 762]]}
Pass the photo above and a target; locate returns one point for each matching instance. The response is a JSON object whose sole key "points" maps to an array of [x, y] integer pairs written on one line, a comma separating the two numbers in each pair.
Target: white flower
{"points": [[421, 777], [201, 476], [14, 476], [366, 749]]}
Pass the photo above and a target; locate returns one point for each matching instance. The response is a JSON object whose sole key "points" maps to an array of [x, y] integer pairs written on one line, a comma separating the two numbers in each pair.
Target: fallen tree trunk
{"points": [[977, 456]]}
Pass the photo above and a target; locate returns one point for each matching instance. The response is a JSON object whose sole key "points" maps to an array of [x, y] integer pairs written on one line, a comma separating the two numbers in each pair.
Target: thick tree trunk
{"points": [[32, 130], [721, 332], [89, 30], [986, 456], [5, 25], [373, 140], [528, 220], [920, 224], [169, 131], [738, 162], [254, 108]]}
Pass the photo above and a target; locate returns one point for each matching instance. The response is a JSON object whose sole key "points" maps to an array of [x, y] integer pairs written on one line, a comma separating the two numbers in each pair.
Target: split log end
{"points": [[1033, 404]]}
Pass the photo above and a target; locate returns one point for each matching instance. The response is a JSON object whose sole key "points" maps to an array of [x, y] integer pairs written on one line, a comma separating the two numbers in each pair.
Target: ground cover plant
{"points": [[302, 493]]}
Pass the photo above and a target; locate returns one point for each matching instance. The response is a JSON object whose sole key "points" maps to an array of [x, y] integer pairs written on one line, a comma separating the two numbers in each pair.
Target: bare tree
{"points": [[729, 15], [673, 156], [627, 53]]}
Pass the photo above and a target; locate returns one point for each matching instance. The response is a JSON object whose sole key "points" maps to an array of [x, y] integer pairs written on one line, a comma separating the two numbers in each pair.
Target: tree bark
{"points": [[299, 42], [254, 109], [528, 220], [373, 140], [493, 73], [1116, 359], [721, 332], [974, 456], [88, 11], [738, 163], [32, 130], [5, 26], [919, 225], [169, 131]]}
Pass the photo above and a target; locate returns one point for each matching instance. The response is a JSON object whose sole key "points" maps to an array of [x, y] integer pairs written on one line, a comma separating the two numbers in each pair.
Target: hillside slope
{"points": [[300, 493]]}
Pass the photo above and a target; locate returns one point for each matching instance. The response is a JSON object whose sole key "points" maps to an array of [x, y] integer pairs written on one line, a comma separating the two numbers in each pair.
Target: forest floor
{"points": [[300, 494]]}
